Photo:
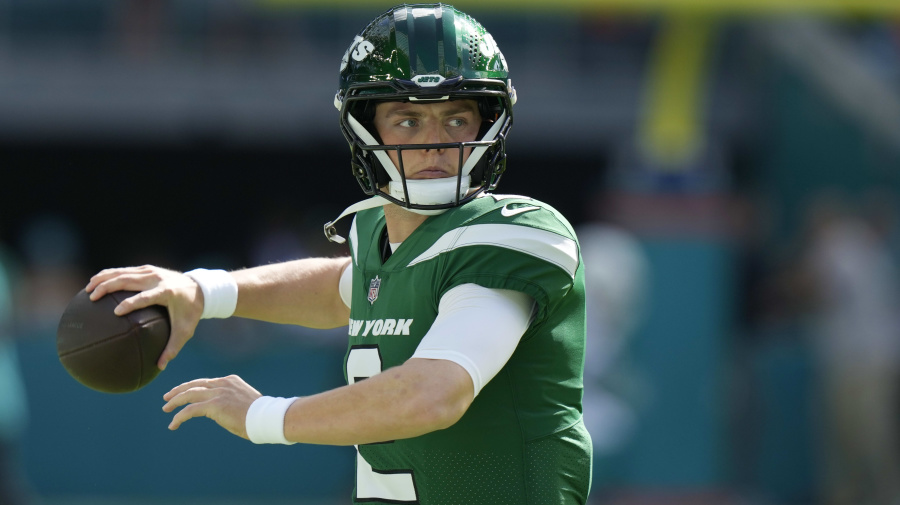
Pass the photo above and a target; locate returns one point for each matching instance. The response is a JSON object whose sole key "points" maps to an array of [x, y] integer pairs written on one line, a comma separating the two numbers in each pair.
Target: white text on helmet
{"points": [[429, 80], [360, 48]]}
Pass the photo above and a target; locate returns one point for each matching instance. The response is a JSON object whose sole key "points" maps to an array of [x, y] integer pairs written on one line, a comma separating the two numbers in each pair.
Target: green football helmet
{"points": [[425, 53]]}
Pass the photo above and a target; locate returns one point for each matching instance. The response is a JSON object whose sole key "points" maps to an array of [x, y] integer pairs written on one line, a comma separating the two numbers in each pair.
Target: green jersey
{"points": [[522, 441]]}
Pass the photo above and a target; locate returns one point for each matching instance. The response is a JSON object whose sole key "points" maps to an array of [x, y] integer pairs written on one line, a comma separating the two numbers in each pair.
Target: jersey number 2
{"points": [[394, 486]]}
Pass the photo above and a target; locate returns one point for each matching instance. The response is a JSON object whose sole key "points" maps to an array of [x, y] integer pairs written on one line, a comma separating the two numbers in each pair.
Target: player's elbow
{"points": [[432, 412], [439, 404]]}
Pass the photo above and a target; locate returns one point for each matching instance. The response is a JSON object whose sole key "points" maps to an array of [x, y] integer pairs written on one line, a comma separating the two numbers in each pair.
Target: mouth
{"points": [[431, 173]]}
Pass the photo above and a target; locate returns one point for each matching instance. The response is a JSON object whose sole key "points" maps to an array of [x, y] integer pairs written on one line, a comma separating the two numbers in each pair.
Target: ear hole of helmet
{"points": [[360, 164]]}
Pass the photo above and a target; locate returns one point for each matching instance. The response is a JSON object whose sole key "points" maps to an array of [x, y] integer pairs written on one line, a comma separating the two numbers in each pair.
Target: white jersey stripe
{"points": [[353, 241], [548, 246]]}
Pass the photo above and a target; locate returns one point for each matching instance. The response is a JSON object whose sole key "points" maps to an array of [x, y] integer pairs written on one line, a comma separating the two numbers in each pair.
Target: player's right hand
{"points": [[157, 286]]}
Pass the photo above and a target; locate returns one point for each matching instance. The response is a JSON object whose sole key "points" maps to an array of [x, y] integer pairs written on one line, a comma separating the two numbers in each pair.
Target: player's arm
{"points": [[406, 401], [303, 292], [417, 397], [476, 332]]}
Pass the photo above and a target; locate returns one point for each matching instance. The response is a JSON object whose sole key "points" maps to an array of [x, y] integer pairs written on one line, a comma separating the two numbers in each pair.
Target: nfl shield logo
{"points": [[374, 286]]}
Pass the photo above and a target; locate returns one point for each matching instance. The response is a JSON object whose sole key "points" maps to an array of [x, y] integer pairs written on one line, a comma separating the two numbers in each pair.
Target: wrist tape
{"points": [[220, 292], [265, 420]]}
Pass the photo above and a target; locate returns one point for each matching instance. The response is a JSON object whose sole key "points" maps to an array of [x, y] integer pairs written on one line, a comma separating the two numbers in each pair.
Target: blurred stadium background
{"points": [[710, 153]]}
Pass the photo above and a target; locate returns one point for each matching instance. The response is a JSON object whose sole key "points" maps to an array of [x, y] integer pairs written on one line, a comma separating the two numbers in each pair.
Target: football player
{"points": [[466, 308]]}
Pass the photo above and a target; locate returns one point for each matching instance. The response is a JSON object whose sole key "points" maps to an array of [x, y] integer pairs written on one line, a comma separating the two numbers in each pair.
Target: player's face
{"points": [[405, 123]]}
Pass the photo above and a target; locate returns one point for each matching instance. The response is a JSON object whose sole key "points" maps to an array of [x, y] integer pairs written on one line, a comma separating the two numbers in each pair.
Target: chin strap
{"points": [[370, 203]]}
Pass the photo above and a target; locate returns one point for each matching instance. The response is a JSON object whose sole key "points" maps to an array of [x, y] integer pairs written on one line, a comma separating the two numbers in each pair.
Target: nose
{"points": [[435, 134]]}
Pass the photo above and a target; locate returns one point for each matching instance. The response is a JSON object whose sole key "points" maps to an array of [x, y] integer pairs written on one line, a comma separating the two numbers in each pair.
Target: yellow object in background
{"points": [[672, 126]]}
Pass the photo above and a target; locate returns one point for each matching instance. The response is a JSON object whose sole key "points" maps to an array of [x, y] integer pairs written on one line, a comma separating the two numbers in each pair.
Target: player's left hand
{"points": [[225, 400]]}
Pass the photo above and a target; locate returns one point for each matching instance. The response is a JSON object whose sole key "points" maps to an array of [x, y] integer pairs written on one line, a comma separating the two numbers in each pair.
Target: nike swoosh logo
{"points": [[507, 212]]}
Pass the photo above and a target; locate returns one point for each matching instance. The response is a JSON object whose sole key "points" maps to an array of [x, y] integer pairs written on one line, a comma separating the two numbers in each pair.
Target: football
{"points": [[110, 353]]}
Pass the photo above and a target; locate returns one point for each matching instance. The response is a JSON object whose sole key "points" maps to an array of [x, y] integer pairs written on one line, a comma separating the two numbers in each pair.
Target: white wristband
{"points": [[265, 420], [220, 292]]}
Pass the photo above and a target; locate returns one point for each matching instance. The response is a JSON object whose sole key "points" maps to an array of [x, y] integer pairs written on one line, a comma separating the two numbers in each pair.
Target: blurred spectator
{"points": [[881, 208], [855, 321], [52, 250], [13, 407], [615, 275]]}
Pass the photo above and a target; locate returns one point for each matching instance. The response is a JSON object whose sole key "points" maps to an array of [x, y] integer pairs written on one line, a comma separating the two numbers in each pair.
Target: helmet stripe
{"points": [[425, 36]]}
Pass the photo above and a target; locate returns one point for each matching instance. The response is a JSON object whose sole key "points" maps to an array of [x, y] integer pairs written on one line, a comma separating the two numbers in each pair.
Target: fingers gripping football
{"points": [[158, 286], [225, 400]]}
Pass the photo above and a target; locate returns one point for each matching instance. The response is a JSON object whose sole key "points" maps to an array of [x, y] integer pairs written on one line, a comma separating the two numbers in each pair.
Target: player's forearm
{"points": [[418, 397], [303, 292]]}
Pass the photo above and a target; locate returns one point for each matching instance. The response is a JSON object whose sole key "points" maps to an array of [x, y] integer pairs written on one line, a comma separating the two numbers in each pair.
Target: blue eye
{"points": [[407, 123]]}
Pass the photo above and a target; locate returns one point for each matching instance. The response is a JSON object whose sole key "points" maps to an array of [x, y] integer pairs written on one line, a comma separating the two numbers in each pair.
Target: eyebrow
{"points": [[407, 112]]}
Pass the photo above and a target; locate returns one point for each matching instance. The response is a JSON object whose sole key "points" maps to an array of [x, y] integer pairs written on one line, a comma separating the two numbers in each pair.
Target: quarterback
{"points": [[465, 309]]}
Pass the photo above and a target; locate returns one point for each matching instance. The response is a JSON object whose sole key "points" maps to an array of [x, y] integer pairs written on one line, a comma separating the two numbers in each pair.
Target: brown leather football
{"points": [[110, 353]]}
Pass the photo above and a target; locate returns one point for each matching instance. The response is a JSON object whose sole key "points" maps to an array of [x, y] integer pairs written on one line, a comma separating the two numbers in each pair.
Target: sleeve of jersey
{"points": [[345, 285], [537, 261], [478, 329]]}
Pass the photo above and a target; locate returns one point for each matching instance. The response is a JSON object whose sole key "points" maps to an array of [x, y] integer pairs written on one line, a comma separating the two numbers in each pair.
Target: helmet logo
{"points": [[359, 48], [428, 81], [363, 49]]}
